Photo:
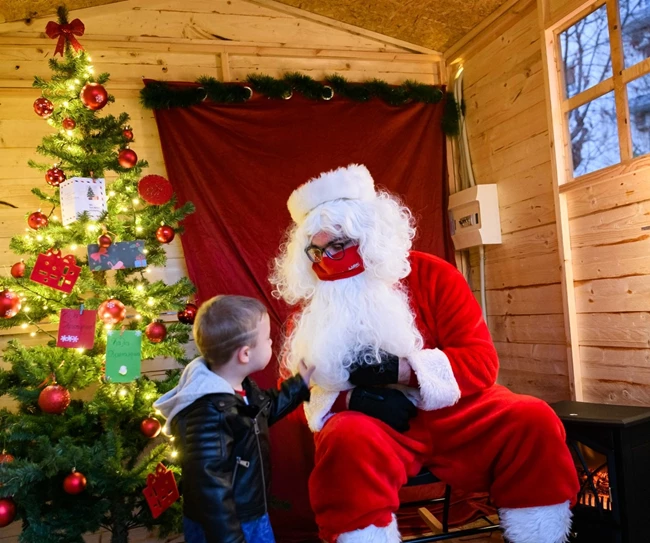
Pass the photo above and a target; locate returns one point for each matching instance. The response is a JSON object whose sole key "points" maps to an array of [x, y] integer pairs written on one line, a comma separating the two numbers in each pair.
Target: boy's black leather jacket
{"points": [[224, 448]]}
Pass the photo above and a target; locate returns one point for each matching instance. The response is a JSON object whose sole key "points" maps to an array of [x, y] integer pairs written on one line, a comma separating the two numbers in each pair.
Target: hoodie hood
{"points": [[196, 381]]}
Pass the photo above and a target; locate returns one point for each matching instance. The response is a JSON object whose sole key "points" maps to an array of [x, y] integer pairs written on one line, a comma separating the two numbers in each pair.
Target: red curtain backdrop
{"points": [[238, 164]]}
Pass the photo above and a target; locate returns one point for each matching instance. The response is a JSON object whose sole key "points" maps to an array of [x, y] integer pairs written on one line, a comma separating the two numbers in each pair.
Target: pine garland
{"points": [[161, 95]]}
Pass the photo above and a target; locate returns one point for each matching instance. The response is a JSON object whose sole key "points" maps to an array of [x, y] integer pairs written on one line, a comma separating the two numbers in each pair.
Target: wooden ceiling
{"points": [[436, 24]]}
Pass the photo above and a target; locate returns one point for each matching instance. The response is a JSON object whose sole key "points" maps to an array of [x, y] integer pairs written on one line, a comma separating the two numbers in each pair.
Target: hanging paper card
{"points": [[124, 254], [161, 490], [77, 328], [52, 270], [82, 194], [123, 355]]}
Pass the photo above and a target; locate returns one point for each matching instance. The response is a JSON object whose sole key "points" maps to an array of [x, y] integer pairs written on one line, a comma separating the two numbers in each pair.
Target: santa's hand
{"points": [[386, 404], [389, 370]]}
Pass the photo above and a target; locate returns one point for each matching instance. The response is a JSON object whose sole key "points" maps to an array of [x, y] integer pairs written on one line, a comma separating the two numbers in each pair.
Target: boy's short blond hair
{"points": [[224, 324]]}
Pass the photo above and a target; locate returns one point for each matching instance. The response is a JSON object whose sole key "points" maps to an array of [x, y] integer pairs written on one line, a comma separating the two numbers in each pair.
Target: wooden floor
{"points": [[494, 537], [10, 535], [490, 538]]}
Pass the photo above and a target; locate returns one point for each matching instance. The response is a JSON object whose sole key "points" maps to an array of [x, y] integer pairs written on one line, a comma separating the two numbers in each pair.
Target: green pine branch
{"points": [[99, 433]]}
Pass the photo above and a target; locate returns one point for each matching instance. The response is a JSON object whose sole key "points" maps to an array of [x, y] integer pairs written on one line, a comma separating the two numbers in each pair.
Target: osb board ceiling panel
{"points": [[16, 10], [435, 24]]}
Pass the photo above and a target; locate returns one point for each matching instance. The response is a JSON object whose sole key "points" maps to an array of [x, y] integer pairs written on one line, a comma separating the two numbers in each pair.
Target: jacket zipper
{"points": [[259, 451], [239, 462]]}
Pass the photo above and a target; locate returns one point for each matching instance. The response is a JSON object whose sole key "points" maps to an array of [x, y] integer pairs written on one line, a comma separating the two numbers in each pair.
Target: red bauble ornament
{"points": [[68, 123], [165, 234], [54, 399], [37, 220], [104, 241], [9, 304], [93, 96], [155, 189], [43, 107], [18, 270], [55, 176], [150, 427], [127, 133], [156, 332], [6, 458], [127, 158], [187, 315], [111, 311], [7, 512], [75, 483]]}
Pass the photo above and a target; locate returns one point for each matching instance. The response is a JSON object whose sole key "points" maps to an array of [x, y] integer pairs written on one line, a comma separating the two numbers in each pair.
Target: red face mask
{"points": [[350, 265]]}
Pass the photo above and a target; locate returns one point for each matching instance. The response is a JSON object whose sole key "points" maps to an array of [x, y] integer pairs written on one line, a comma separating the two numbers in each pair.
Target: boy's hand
{"points": [[305, 372]]}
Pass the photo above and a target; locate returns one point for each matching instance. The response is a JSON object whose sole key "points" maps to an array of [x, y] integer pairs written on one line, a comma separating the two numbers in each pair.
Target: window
{"points": [[604, 71]]}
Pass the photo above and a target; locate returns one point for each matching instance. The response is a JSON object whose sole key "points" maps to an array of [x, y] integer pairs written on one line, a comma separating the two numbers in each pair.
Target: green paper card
{"points": [[123, 357]]}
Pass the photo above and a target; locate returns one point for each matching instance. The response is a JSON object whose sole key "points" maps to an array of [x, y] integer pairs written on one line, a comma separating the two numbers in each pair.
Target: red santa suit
{"points": [[470, 432]]}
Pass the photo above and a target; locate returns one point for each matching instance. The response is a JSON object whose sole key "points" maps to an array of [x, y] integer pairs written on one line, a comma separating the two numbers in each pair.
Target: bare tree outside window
{"points": [[635, 31], [586, 53], [586, 56]]}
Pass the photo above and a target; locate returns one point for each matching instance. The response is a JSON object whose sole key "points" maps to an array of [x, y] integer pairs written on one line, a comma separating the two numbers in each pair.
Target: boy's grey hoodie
{"points": [[196, 381]]}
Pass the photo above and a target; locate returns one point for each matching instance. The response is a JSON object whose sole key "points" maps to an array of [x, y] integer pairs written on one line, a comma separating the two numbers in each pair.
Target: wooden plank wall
{"points": [[612, 277], [508, 132], [172, 40], [506, 123], [611, 267]]}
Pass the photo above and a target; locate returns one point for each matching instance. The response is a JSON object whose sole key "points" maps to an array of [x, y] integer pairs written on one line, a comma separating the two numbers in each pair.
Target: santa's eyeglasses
{"points": [[334, 250]]}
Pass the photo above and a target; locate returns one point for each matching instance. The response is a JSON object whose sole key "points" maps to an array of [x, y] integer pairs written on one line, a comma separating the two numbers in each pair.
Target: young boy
{"points": [[220, 419]]}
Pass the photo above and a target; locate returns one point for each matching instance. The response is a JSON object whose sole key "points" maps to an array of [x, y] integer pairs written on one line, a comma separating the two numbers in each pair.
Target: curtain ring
{"points": [[287, 95], [206, 94], [250, 93], [330, 90]]}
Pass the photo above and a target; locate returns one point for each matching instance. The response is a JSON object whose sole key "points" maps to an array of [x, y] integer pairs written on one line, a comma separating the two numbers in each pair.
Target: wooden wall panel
{"points": [[611, 251], [508, 137], [610, 247]]}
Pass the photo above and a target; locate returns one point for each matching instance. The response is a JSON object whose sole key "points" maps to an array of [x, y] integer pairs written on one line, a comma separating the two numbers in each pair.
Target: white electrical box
{"points": [[474, 217]]}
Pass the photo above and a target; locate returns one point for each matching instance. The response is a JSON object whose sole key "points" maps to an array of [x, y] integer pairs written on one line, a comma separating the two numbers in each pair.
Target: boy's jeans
{"points": [[255, 531]]}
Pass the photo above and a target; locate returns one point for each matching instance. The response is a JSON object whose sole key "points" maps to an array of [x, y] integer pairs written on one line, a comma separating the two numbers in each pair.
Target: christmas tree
{"points": [[77, 451]]}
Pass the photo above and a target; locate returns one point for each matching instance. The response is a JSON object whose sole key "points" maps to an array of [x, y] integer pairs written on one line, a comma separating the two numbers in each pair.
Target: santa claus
{"points": [[405, 374]]}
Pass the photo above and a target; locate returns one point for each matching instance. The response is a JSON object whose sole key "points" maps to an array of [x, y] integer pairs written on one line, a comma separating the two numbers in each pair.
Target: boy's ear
{"points": [[243, 355]]}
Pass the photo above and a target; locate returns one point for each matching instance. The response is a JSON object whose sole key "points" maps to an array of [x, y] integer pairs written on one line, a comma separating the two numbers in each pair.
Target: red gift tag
{"points": [[52, 270], [77, 328], [161, 490]]}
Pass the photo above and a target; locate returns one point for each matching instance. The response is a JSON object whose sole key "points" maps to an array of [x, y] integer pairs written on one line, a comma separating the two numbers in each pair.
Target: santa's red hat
{"points": [[352, 182]]}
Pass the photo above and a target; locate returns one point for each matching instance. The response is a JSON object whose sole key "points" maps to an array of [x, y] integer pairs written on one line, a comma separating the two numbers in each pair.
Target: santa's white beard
{"points": [[346, 317]]}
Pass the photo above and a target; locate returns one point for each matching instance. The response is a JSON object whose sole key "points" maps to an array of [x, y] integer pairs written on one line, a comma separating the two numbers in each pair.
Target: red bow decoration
{"points": [[65, 33]]}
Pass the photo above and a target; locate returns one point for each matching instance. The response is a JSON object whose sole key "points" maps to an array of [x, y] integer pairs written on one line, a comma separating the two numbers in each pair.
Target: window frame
{"points": [[561, 106]]}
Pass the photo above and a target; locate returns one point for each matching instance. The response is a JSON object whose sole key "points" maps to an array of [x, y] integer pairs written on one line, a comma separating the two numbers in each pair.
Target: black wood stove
{"points": [[610, 445]]}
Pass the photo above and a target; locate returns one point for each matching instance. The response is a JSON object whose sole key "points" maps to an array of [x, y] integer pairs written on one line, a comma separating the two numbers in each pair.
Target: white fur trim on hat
{"points": [[544, 524], [438, 386], [352, 182]]}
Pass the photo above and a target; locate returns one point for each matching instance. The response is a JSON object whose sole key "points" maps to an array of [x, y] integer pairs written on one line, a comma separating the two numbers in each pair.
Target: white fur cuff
{"points": [[438, 386], [543, 524], [317, 410], [373, 534]]}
